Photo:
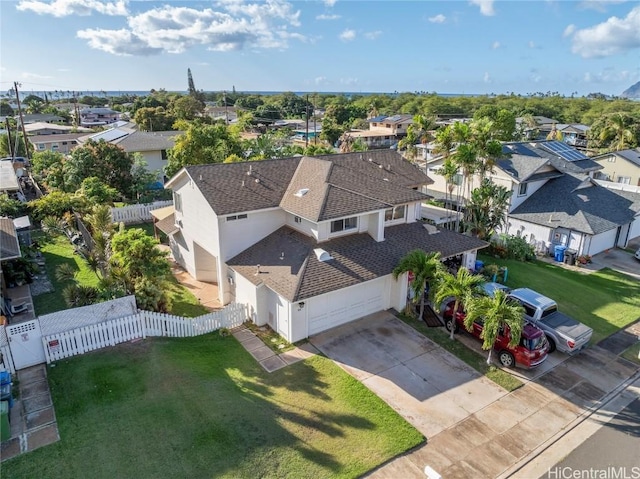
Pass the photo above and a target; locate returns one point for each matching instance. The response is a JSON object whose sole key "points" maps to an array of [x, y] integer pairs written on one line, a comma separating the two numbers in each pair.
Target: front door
{"points": [[25, 341]]}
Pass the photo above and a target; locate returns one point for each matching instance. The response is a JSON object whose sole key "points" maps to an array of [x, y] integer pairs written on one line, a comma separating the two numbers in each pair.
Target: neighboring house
{"points": [[41, 128], [574, 211], [98, 116], [574, 134], [40, 118], [307, 243], [9, 183], [384, 131], [60, 143], [620, 167], [152, 146], [9, 244], [228, 114]]}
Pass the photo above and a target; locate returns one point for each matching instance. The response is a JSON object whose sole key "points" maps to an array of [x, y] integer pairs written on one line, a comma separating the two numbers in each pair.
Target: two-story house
{"points": [[307, 243], [98, 116], [384, 131], [620, 166]]}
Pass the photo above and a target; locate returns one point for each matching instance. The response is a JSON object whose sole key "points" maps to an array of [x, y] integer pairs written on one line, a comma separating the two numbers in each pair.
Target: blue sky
{"points": [[477, 46]]}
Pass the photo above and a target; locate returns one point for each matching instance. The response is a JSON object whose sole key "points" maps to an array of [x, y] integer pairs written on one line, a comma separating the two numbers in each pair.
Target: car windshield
{"points": [[533, 343]]}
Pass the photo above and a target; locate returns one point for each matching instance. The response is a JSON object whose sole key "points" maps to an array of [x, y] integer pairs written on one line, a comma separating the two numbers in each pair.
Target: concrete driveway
{"points": [[429, 387], [618, 260]]}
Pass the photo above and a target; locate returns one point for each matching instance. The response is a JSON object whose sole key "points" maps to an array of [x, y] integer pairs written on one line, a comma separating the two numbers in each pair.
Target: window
{"points": [[236, 217], [297, 219], [457, 179], [611, 159], [64, 142], [163, 154], [344, 224], [54, 147], [522, 190], [625, 180], [395, 213], [177, 202], [41, 146]]}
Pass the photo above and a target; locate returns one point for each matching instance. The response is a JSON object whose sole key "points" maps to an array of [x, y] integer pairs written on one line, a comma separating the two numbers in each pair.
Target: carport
{"points": [[429, 387]]}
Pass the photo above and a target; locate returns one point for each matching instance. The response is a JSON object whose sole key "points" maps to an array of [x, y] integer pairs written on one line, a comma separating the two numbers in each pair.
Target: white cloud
{"points": [[347, 35], [330, 3], [486, 7], [174, 29], [349, 81], [34, 76], [373, 35], [569, 30], [598, 5], [439, 18], [486, 78], [532, 44], [324, 16], [320, 80], [63, 8], [495, 45], [616, 35]]}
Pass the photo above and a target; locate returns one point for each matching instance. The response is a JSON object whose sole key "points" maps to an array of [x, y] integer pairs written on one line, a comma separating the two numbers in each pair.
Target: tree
{"points": [[202, 144], [55, 204], [495, 312], [48, 167], [141, 178], [6, 109], [450, 172], [331, 130], [154, 119], [97, 192], [187, 108], [11, 207], [617, 131], [5, 148], [425, 268], [486, 211], [105, 160], [458, 287], [140, 261]]}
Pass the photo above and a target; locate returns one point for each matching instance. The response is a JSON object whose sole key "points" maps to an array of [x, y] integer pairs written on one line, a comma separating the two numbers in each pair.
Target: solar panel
{"points": [[565, 151], [109, 135]]}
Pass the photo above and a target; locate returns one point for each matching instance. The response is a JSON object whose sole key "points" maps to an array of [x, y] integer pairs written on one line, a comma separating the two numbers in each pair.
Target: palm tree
{"points": [[425, 267], [618, 128], [496, 312], [458, 287], [449, 170], [487, 148]]}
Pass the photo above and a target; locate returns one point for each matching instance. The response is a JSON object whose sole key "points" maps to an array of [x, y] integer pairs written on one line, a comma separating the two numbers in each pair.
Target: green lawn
{"points": [[202, 407], [604, 300], [59, 250]]}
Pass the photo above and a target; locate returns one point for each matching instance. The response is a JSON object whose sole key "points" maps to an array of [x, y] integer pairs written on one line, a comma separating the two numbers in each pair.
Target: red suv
{"points": [[531, 352]]}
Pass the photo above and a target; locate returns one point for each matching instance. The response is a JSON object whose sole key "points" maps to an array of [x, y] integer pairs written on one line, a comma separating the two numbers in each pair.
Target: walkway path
{"points": [[32, 418], [266, 357]]}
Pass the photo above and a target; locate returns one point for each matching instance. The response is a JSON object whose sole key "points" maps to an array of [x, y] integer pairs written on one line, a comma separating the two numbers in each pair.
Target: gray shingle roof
{"points": [[521, 167], [339, 185], [9, 246], [356, 258], [580, 204], [536, 149], [148, 141]]}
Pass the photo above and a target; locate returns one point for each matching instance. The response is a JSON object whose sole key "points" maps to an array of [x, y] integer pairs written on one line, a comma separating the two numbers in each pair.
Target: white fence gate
{"points": [[133, 214], [25, 344], [145, 323]]}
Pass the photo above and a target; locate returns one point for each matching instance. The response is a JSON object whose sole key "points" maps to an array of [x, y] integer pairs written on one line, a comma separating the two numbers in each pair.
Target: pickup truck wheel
{"points": [[506, 359], [552, 344], [449, 323]]}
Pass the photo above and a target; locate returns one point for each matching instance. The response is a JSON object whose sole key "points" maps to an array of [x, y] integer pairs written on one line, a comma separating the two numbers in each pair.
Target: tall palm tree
{"points": [[459, 287], [488, 150], [449, 170], [425, 267], [496, 312], [445, 143], [617, 128]]}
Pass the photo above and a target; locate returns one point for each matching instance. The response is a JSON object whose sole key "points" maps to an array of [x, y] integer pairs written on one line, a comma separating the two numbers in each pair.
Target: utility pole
{"points": [[315, 133], [24, 133], [226, 111], [12, 151], [306, 136]]}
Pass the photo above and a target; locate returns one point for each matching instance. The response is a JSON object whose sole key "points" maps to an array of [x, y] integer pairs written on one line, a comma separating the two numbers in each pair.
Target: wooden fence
{"points": [[145, 323], [133, 214]]}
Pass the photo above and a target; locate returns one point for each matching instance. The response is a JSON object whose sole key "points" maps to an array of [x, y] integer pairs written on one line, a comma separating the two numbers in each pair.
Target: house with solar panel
{"points": [[308, 243], [556, 199], [384, 131]]}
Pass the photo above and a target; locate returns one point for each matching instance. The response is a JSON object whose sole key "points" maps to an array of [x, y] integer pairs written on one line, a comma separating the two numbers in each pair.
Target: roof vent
{"points": [[257, 270], [301, 192], [389, 167], [431, 229], [370, 160], [380, 166], [200, 178], [257, 180], [322, 255], [242, 182], [250, 170]]}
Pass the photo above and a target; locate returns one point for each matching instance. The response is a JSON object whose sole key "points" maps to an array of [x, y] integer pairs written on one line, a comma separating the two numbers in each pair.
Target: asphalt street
{"points": [[615, 448]]}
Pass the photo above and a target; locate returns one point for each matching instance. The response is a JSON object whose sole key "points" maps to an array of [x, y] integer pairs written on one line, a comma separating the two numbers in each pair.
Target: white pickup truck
{"points": [[564, 333]]}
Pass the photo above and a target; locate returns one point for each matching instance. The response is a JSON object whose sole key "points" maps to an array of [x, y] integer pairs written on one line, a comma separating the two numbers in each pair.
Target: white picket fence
{"points": [[133, 214], [145, 323]]}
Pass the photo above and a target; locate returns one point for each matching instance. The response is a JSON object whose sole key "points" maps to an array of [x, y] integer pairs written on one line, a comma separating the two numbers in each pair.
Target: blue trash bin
{"points": [[479, 265], [559, 252]]}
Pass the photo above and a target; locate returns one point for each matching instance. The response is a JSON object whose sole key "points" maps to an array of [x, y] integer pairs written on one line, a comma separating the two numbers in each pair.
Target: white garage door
{"points": [[333, 309], [603, 241], [635, 228]]}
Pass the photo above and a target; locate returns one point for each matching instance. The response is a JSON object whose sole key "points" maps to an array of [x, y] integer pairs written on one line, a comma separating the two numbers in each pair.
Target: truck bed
{"points": [[567, 326]]}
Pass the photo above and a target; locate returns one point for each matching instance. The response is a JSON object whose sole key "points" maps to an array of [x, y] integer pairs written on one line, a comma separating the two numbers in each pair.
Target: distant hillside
{"points": [[632, 92]]}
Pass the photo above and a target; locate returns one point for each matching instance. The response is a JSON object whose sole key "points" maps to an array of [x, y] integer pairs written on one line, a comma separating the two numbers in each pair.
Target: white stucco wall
{"points": [[304, 226], [602, 241], [517, 200], [155, 163], [238, 235]]}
